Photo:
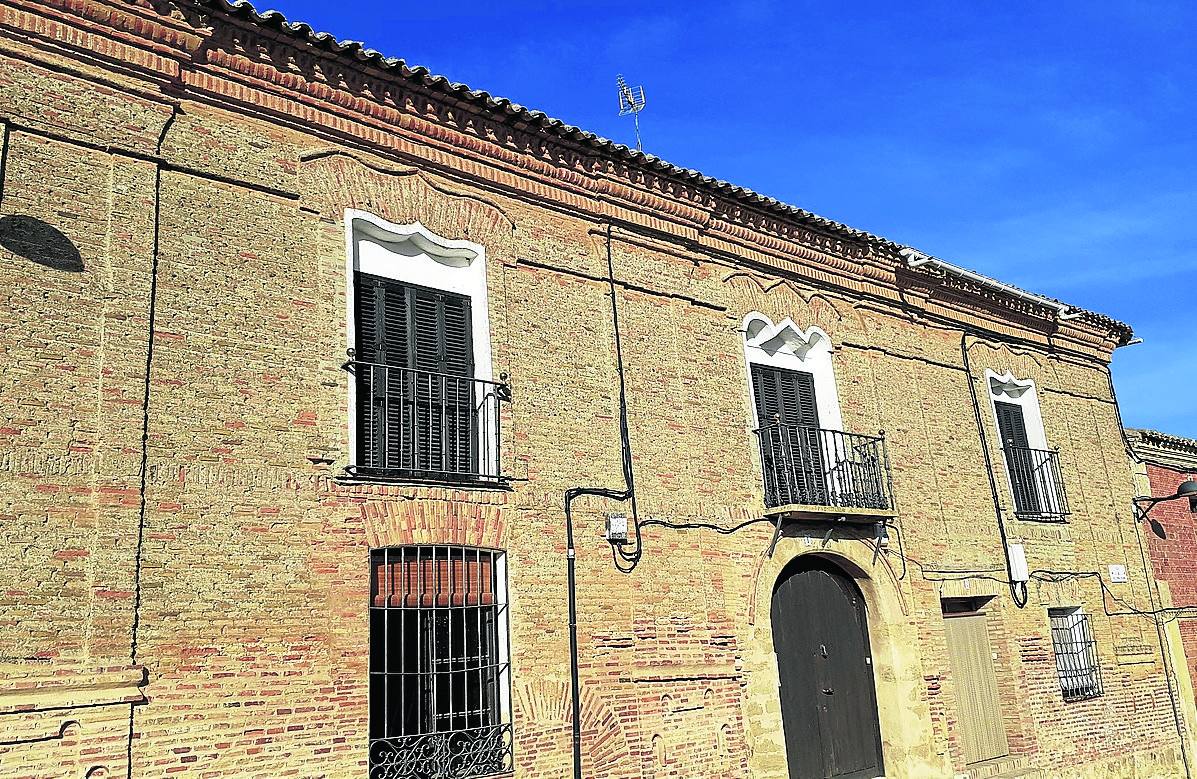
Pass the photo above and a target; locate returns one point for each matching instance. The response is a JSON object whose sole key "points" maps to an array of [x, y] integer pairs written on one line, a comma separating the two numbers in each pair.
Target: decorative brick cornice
{"points": [[1170, 451], [261, 63]]}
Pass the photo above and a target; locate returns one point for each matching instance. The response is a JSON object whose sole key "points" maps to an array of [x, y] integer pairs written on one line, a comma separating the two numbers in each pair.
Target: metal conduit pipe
{"points": [[917, 259]]}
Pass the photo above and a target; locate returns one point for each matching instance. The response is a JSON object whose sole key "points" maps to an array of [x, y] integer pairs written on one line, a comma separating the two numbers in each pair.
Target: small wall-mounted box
{"points": [[1018, 563], [617, 528]]}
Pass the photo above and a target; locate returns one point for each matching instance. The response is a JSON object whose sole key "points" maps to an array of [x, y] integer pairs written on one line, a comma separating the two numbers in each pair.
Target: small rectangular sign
{"points": [[1118, 574]]}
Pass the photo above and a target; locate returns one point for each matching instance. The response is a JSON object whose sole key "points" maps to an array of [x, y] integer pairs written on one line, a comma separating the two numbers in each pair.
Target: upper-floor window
{"points": [[423, 405], [807, 457], [439, 663], [1033, 469]]}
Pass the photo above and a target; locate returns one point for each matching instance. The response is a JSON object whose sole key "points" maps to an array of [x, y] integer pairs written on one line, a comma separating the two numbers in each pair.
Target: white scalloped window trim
{"points": [[786, 345]]}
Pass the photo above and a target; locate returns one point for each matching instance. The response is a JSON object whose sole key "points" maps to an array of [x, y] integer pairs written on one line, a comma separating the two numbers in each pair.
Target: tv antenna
{"points": [[631, 101]]}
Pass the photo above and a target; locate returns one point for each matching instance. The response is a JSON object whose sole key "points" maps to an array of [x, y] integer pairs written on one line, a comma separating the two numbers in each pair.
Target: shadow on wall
{"points": [[39, 242]]}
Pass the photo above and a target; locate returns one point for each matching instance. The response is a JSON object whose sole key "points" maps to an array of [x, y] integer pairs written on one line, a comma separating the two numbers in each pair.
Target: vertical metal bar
{"points": [[826, 457], [478, 432], [403, 659], [435, 708], [384, 420], [378, 424], [386, 654], [421, 644], [478, 428], [481, 638], [401, 418], [502, 695], [786, 474], [889, 481], [467, 645], [419, 421], [492, 446], [825, 440], [461, 417], [441, 380], [846, 467]]}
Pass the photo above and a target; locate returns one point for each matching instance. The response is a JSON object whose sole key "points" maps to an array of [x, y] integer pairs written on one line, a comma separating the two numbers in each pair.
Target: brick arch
{"points": [[334, 180], [783, 297], [543, 716], [398, 522]]}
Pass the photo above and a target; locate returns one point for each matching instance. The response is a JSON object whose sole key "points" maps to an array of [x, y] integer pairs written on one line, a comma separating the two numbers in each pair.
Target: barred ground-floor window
{"points": [[439, 663], [1076, 654]]}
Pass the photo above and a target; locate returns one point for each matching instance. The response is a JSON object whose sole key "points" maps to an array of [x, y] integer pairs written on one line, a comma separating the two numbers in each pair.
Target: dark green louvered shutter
{"points": [[789, 418], [443, 351], [1020, 463], [383, 343], [1011, 425], [765, 394], [416, 394]]}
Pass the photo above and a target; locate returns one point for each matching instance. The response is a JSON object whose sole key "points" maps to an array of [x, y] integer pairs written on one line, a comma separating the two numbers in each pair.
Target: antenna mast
{"points": [[631, 101]]}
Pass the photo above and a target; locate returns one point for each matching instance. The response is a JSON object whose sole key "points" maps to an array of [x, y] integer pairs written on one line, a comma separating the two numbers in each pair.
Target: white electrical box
{"points": [[1018, 563], [1118, 574], [617, 528]]}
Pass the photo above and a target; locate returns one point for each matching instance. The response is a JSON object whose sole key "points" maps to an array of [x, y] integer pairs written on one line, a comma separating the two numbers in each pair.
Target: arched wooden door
{"points": [[828, 702]]}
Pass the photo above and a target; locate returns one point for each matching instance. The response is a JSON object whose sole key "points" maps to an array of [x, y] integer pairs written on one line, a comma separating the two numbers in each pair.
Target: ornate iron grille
{"points": [[1037, 483], [1076, 654], [427, 425], [439, 668], [811, 466]]}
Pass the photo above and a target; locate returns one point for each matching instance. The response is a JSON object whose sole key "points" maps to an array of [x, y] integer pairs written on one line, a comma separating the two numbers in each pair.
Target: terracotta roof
{"points": [[494, 104], [1179, 443]]}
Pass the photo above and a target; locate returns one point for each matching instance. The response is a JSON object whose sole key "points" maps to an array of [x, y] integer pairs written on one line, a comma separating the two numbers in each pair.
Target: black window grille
{"points": [[439, 663], [1076, 654]]}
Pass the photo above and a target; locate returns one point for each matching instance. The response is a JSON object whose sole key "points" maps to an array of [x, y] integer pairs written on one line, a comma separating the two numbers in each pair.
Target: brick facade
{"points": [[184, 566], [1170, 531]]}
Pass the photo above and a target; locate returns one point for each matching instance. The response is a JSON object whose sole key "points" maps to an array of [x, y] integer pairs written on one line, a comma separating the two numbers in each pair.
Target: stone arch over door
{"points": [[907, 733]]}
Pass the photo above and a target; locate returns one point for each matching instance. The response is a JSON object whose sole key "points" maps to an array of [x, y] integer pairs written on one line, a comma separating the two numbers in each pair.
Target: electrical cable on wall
{"points": [[628, 493], [626, 559], [1018, 589], [1159, 629]]}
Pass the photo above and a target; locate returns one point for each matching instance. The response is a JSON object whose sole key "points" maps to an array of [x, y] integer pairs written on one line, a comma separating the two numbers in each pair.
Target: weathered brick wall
{"points": [[251, 572], [1172, 543]]}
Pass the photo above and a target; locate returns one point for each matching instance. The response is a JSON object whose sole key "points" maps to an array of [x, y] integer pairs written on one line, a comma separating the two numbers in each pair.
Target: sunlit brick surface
{"points": [[223, 158]]}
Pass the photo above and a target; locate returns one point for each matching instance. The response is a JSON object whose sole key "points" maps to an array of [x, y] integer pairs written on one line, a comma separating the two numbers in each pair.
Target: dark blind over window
{"points": [[1011, 425], [789, 430], [416, 403], [1025, 472], [784, 396]]}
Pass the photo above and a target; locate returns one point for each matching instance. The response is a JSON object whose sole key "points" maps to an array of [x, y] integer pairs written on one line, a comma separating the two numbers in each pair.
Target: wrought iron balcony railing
{"points": [[425, 425], [1036, 482], [811, 466]]}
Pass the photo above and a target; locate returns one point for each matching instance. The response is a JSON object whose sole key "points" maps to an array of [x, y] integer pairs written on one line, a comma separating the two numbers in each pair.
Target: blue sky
{"points": [[1051, 145]]}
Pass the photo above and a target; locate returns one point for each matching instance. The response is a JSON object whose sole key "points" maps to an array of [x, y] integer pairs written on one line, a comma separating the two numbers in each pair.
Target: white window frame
{"points": [[413, 254], [1088, 685], [1006, 388], [785, 345]]}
